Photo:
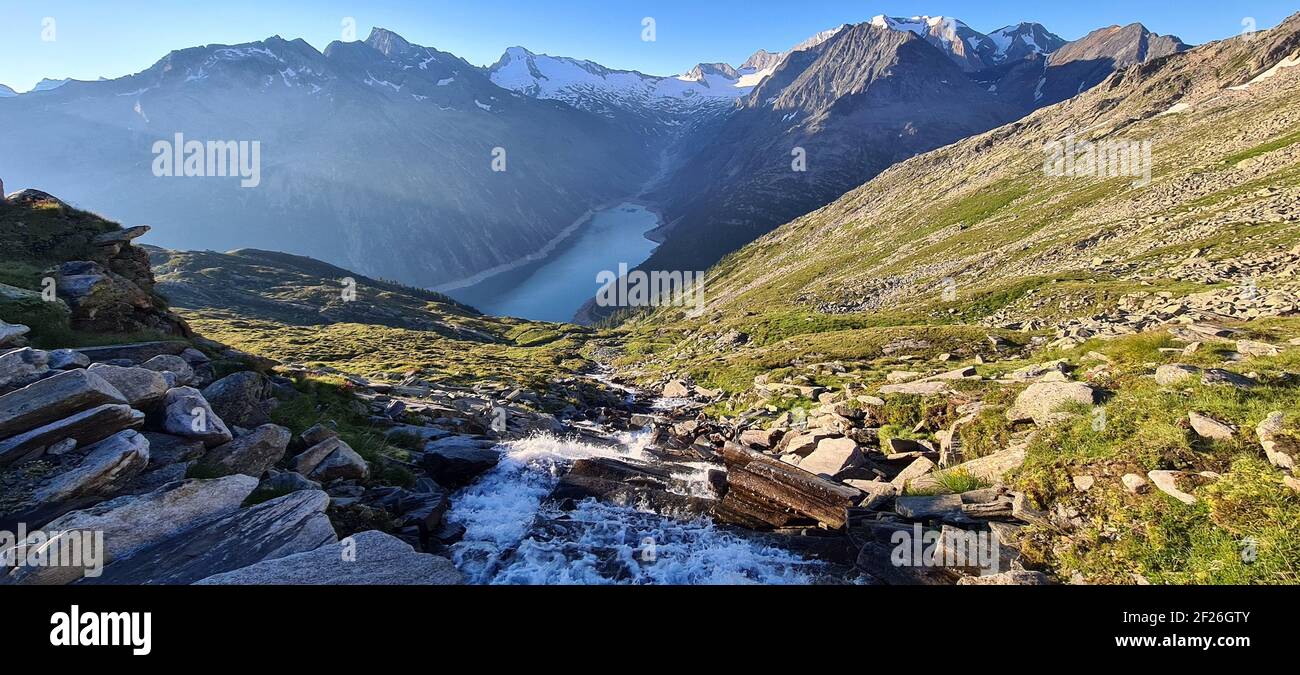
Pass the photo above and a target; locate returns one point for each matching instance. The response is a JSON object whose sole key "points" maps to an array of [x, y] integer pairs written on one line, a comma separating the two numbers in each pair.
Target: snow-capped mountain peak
{"points": [[702, 71], [670, 101], [762, 59], [817, 39], [1019, 41], [675, 101], [6, 92], [971, 49], [944, 26]]}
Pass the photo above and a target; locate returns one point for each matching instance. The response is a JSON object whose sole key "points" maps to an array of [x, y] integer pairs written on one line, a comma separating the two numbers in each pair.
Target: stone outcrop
{"points": [[366, 558], [237, 398], [1041, 402], [86, 427], [294, 523], [54, 398], [187, 414], [142, 387], [251, 454], [131, 523]]}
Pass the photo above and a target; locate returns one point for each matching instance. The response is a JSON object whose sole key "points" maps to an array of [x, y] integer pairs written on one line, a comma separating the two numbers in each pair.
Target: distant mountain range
{"points": [[972, 50], [869, 97], [851, 106], [378, 154]]}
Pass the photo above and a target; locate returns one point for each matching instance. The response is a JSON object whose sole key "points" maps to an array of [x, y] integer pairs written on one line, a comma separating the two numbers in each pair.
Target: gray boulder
{"points": [[832, 456], [1282, 450], [135, 352], [169, 363], [1208, 427], [86, 427], [317, 434], [251, 454], [166, 449], [194, 357], [11, 334], [306, 461], [1175, 373], [944, 507], [284, 482], [21, 367], [141, 387], [761, 438], [331, 458], [342, 463], [187, 414], [107, 466], [54, 398], [131, 523], [366, 558], [455, 461], [676, 389], [67, 359], [1168, 483], [1041, 401], [294, 523], [153, 478], [237, 398], [1226, 378]]}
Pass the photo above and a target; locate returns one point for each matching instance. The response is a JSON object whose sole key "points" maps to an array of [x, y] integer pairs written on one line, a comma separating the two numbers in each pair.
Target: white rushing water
{"points": [[512, 537]]}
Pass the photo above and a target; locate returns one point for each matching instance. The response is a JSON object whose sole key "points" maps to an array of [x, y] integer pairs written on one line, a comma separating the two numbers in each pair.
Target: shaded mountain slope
{"points": [[853, 105], [980, 220], [377, 155]]}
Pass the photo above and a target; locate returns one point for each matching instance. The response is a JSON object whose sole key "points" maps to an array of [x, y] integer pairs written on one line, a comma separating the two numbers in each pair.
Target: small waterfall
{"points": [[512, 537]]}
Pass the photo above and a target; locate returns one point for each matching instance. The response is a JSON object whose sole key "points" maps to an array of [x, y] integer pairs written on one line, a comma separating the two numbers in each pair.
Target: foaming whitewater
{"points": [[513, 537]]}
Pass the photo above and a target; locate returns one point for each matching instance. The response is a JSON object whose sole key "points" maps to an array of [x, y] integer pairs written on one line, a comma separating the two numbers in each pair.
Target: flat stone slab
{"points": [[138, 352], [52, 399], [366, 558], [294, 523], [930, 388], [134, 522]]}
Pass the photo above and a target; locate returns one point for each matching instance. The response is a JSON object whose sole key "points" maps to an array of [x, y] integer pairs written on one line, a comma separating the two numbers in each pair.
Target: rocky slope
{"points": [[1221, 176], [1114, 356], [1043, 78], [375, 155], [864, 100], [200, 463], [854, 104], [67, 270]]}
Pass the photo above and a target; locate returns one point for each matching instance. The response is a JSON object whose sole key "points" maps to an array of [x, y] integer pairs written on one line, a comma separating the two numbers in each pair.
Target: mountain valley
{"points": [[990, 287]]}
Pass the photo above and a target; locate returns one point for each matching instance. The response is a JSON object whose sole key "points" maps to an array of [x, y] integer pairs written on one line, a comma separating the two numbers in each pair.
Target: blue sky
{"points": [[95, 37]]}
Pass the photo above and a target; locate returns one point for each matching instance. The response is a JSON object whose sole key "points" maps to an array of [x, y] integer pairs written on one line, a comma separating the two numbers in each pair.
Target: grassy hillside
{"points": [[300, 310], [973, 256], [980, 220]]}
